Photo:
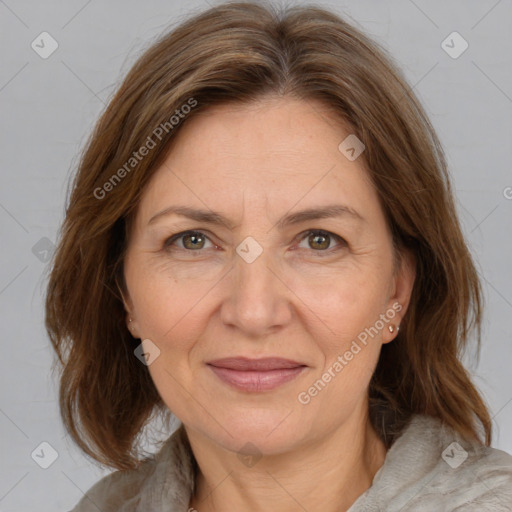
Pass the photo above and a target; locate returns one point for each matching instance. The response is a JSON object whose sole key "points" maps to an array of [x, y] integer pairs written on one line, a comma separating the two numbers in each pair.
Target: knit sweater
{"points": [[429, 468]]}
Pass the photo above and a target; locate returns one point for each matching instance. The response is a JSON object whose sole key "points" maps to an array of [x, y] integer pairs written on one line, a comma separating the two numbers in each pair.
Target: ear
{"points": [[401, 291], [132, 325], [131, 321]]}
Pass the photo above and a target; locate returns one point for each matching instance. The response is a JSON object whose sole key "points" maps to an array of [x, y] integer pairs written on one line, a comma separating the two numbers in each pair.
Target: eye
{"points": [[190, 240], [321, 240], [194, 241]]}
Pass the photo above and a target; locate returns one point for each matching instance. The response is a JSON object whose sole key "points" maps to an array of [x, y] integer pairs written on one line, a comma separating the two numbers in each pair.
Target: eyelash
{"points": [[168, 243]]}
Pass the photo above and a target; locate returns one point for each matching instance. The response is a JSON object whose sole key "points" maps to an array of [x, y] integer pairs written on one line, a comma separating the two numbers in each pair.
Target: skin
{"points": [[299, 300]]}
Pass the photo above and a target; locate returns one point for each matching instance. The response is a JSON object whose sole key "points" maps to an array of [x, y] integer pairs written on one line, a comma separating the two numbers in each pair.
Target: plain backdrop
{"points": [[49, 105]]}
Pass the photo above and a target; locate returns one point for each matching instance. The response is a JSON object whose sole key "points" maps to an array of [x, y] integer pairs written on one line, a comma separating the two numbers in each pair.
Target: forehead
{"points": [[269, 129], [271, 154]]}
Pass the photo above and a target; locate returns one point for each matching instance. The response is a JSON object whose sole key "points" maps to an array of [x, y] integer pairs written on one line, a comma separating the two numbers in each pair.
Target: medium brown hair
{"points": [[238, 52]]}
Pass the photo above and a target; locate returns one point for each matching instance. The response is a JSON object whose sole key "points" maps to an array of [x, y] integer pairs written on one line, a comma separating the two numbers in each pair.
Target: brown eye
{"points": [[321, 241], [191, 241]]}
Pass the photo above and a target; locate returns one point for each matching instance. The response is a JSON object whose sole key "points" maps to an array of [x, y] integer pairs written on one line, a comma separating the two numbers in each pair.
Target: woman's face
{"points": [[292, 260]]}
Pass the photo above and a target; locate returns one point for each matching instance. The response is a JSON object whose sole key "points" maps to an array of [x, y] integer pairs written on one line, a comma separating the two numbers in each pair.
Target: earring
{"points": [[392, 328]]}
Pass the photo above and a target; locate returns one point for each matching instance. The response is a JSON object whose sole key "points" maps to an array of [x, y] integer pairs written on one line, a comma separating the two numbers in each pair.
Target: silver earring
{"points": [[392, 328]]}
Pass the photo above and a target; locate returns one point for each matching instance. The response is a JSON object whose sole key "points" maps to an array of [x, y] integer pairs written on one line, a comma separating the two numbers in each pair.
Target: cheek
{"points": [[345, 302], [350, 340], [169, 313], [163, 303]]}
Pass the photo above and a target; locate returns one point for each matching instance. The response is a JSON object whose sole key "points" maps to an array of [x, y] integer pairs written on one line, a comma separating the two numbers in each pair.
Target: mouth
{"points": [[256, 375]]}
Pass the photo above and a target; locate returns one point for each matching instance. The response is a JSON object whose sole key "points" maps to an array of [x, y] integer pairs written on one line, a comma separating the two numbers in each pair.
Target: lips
{"points": [[246, 364], [256, 375]]}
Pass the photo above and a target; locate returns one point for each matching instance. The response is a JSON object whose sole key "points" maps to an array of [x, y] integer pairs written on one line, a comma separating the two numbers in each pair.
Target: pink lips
{"points": [[256, 374]]}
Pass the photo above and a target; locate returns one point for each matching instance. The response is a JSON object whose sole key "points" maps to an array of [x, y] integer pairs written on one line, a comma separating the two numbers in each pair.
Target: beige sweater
{"points": [[423, 472]]}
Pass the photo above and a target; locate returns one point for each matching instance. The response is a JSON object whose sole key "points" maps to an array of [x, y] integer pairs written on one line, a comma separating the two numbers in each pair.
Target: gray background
{"points": [[48, 108]]}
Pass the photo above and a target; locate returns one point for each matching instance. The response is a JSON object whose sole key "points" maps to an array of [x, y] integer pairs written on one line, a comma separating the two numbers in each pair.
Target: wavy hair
{"points": [[238, 52]]}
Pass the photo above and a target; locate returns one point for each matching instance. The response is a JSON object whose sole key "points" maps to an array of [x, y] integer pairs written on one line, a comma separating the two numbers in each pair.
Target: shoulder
{"points": [[119, 491], [459, 474], [431, 467], [483, 478], [162, 482], [487, 478]]}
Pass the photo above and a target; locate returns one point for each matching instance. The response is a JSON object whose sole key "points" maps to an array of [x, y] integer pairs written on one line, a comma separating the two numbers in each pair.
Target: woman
{"points": [[262, 240]]}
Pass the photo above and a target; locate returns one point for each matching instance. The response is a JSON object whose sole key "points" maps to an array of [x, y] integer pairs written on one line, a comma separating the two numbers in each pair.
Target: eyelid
{"points": [[341, 241], [169, 241], [301, 236]]}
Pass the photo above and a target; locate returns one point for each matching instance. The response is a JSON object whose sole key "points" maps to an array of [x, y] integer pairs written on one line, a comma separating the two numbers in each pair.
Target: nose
{"points": [[258, 300]]}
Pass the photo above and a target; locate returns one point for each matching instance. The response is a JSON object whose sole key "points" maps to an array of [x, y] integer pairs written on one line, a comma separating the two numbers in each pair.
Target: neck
{"points": [[326, 474]]}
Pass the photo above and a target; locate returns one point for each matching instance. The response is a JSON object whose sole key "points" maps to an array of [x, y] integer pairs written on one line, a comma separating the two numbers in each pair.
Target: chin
{"points": [[268, 431]]}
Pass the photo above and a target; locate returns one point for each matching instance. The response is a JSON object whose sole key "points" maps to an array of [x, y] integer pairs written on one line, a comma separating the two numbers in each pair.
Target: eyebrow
{"points": [[211, 217]]}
